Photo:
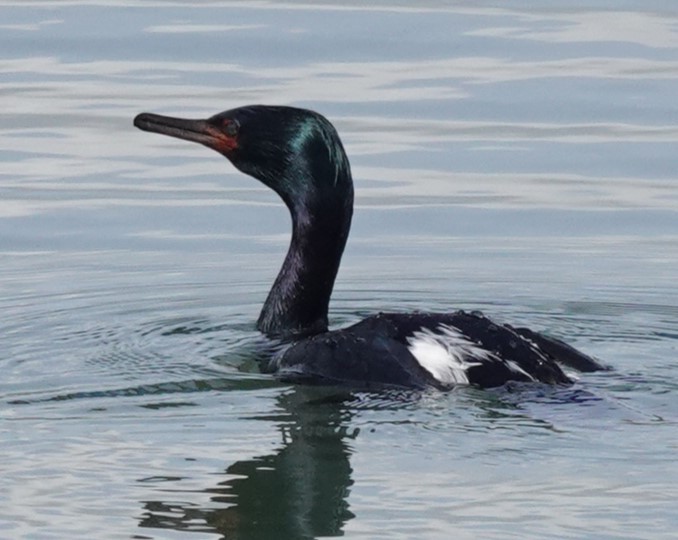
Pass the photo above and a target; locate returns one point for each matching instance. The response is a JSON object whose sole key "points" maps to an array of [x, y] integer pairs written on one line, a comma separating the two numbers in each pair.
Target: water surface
{"points": [[511, 157]]}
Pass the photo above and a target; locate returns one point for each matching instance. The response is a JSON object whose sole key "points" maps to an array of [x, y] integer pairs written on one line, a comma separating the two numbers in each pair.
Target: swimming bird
{"points": [[299, 155]]}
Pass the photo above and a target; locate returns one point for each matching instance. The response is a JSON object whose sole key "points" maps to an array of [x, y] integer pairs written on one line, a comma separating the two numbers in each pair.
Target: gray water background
{"points": [[515, 157]]}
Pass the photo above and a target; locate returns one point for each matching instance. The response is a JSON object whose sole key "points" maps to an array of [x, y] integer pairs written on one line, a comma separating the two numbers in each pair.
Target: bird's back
{"points": [[426, 350]]}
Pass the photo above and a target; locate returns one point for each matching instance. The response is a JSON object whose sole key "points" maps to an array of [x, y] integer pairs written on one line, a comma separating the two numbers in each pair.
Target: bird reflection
{"points": [[300, 491]]}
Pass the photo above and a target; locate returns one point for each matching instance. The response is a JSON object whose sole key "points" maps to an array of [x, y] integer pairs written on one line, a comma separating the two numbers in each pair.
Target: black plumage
{"points": [[298, 154]]}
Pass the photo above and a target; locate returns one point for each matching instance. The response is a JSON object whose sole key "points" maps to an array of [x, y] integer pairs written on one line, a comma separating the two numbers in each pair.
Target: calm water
{"points": [[514, 157]]}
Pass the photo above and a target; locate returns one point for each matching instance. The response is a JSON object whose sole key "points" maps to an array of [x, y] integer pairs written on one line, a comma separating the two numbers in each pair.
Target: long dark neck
{"points": [[299, 299]]}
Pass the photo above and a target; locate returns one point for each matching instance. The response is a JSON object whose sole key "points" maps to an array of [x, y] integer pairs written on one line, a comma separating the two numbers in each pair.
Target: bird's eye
{"points": [[231, 128]]}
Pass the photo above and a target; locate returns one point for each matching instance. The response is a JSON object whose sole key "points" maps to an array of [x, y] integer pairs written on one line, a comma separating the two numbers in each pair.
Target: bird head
{"points": [[295, 152]]}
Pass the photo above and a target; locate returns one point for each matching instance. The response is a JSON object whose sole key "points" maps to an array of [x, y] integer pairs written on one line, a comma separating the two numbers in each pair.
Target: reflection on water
{"points": [[511, 157], [300, 491]]}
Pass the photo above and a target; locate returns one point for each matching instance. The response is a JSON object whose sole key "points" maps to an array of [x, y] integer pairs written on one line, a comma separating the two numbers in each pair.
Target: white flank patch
{"points": [[447, 354]]}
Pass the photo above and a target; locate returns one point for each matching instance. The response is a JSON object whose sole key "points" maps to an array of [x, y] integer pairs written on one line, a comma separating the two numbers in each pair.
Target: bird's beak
{"points": [[199, 131]]}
